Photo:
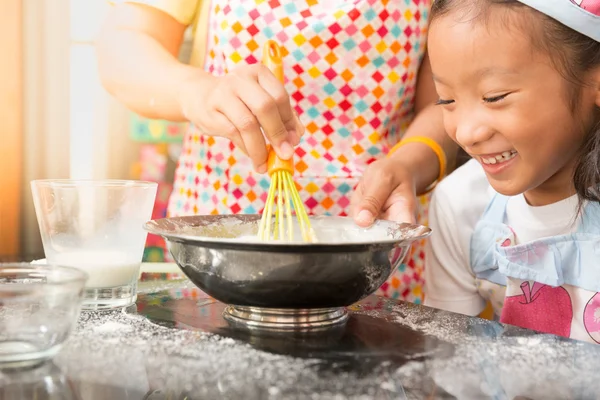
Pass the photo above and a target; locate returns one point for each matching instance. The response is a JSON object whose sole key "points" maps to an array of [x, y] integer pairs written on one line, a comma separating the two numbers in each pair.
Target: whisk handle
{"points": [[273, 59], [275, 163]]}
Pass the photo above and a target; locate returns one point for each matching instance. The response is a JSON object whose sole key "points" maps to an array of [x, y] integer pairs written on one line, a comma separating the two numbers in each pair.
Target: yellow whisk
{"points": [[283, 193]]}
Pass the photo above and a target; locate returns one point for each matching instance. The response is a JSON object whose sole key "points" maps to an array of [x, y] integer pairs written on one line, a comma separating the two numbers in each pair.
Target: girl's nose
{"points": [[471, 131]]}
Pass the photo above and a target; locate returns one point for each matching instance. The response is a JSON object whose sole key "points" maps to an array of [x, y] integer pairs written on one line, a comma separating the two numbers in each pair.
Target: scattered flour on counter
{"points": [[159, 286], [495, 361], [111, 326], [444, 326], [488, 361], [122, 347]]}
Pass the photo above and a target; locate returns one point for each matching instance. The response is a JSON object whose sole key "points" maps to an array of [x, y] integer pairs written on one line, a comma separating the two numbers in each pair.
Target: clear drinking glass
{"points": [[96, 226]]}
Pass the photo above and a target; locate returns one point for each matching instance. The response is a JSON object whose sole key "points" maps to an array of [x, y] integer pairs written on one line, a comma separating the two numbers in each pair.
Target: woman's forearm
{"points": [[139, 67], [146, 79]]}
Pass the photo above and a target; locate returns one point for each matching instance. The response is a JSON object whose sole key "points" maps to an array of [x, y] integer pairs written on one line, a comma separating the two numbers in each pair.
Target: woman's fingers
{"points": [[266, 111], [247, 128]]}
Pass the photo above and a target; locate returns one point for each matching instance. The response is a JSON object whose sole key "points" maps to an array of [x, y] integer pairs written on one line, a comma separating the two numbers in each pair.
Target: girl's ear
{"points": [[596, 78]]}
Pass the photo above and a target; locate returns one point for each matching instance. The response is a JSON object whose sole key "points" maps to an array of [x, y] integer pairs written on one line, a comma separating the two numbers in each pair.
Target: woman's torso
{"points": [[351, 71]]}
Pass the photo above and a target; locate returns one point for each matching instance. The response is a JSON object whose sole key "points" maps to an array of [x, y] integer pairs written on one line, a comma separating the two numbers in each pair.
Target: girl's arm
{"points": [[389, 186], [418, 158]]}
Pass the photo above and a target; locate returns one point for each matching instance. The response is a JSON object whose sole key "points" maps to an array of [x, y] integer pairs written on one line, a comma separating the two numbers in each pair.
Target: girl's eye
{"points": [[442, 102], [495, 99]]}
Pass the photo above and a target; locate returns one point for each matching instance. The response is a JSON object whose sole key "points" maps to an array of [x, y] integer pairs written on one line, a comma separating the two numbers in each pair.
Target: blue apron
{"points": [[549, 285]]}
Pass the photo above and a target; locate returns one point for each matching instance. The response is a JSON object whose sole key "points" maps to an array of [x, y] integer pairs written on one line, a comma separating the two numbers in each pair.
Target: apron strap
{"points": [[496, 209], [590, 221]]}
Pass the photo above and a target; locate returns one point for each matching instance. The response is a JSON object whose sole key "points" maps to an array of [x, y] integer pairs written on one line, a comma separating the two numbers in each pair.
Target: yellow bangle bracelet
{"points": [[436, 148]]}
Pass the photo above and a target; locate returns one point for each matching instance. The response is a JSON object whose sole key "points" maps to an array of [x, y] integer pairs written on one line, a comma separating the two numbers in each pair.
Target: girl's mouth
{"points": [[498, 158]]}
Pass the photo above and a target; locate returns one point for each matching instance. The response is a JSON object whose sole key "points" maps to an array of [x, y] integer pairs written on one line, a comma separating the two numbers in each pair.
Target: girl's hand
{"points": [[386, 191], [241, 106]]}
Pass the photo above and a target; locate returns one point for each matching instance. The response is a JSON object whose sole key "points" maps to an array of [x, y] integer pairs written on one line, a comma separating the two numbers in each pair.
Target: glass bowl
{"points": [[39, 307]]}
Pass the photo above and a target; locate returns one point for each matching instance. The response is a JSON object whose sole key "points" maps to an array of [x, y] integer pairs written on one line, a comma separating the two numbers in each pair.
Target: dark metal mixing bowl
{"points": [[347, 263]]}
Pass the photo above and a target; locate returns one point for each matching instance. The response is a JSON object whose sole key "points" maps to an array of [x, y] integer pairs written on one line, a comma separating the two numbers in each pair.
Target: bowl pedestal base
{"points": [[285, 320]]}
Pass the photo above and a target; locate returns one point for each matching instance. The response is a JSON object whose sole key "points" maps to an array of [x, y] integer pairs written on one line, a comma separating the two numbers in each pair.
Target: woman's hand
{"points": [[241, 106], [386, 191]]}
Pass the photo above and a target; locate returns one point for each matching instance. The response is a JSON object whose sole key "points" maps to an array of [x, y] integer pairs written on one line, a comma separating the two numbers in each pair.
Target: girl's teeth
{"points": [[507, 155]]}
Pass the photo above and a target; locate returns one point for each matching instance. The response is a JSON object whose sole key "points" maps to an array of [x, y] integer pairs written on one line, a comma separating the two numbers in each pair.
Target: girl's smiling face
{"points": [[506, 104]]}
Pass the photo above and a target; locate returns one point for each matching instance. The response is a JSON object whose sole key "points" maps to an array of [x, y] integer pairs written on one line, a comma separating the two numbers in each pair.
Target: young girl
{"points": [[519, 225], [354, 75]]}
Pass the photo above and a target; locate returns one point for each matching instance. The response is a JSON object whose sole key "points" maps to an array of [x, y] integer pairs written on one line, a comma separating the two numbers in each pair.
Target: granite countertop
{"points": [[174, 344]]}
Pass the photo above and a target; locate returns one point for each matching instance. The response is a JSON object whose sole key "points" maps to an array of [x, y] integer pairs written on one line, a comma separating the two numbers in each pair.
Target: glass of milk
{"points": [[96, 226]]}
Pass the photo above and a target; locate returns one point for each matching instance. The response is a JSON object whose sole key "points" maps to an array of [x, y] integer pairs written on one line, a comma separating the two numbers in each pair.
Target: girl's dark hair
{"points": [[573, 55]]}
